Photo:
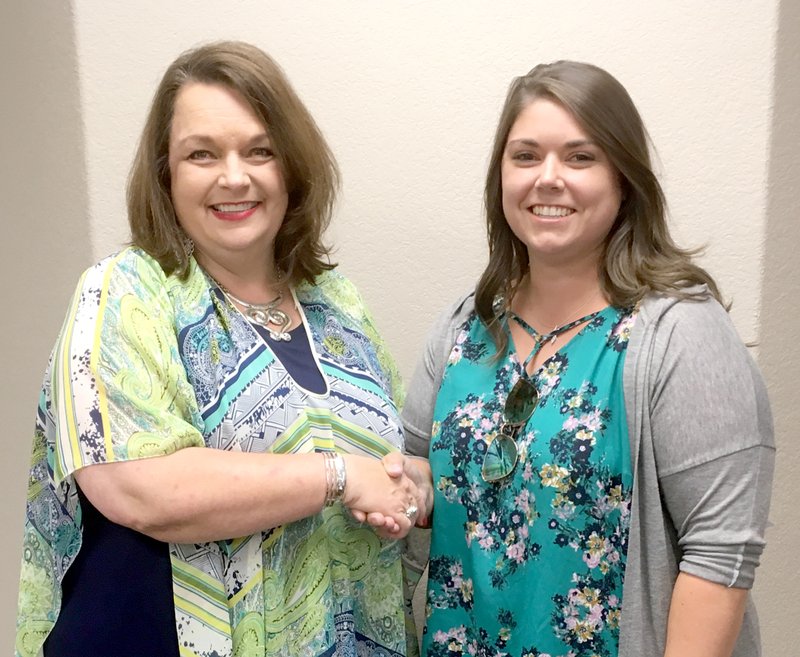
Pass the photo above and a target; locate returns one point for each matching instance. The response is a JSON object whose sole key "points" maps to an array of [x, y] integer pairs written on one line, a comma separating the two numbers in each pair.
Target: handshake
{"points": [[391, 495]]}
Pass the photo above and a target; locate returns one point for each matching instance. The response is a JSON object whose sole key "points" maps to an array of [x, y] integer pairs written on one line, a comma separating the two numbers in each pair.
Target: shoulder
{"points": [[130, 268], [698, 384], [333, 288], [444, 332], [700, 322], [693, 355], [126, 282], [699, 304], [418, 410], [453, 317]]}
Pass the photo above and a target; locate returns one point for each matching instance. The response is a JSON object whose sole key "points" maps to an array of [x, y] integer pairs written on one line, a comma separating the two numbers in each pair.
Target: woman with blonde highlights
{"points": [[600, 439], [220, 414]]}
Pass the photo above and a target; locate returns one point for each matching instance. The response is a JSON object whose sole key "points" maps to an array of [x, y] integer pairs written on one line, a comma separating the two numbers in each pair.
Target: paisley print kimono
{"points": [[148, 364]]}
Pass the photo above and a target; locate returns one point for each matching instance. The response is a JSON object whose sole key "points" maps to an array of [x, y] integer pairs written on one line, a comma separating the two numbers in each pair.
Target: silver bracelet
{"points": [[335, 477]]}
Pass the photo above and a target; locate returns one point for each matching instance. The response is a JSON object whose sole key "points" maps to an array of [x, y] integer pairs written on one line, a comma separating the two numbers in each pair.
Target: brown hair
{"points": [[640, 255], [307, 164]]}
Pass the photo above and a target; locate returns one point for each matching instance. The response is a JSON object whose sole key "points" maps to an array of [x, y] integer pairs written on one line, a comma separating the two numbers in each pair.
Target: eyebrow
{"points": [[208, 140], [575, 143]]}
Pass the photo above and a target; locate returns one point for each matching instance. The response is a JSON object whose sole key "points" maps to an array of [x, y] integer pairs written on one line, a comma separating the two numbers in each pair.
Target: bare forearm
{"points": [[199, 494], [203, 494], [704, 618]]}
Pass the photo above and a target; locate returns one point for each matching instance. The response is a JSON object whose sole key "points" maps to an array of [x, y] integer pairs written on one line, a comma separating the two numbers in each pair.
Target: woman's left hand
{"points": [[418, 470]]}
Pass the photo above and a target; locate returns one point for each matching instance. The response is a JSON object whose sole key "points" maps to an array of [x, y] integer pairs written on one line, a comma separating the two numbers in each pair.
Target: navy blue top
{"points": [[295, 355], [117, 595]]}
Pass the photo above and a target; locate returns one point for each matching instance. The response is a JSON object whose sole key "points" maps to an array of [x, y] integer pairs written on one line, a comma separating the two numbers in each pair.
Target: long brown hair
{"points": [[307, 164], [640, 255]]}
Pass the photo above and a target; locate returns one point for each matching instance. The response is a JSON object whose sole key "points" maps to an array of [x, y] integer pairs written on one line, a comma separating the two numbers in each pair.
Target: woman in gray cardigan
{"points": [[600, 439]]}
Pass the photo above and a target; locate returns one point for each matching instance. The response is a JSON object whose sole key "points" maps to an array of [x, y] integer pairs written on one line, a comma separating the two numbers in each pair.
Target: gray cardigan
{"points": [[703, 454]]}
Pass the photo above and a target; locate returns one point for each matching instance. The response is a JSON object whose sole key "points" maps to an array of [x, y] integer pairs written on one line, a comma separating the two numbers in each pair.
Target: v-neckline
{"points": [[523, 365], [217, 292]]}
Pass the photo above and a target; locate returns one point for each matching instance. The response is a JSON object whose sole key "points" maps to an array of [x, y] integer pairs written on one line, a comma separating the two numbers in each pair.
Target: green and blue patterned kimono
{"points": [[531, 566], [148, 364]]}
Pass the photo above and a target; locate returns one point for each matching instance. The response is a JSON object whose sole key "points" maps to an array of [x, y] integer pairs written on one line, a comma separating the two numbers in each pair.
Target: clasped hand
{"points": [[385, 493]]}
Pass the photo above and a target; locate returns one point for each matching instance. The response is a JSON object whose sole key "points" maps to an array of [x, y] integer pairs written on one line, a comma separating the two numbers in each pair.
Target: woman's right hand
{"points": [[370, 491]]}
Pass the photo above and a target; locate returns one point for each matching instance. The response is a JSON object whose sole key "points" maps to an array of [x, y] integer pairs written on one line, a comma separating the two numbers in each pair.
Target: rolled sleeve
{"points": [[714, 444], [720, 511]]}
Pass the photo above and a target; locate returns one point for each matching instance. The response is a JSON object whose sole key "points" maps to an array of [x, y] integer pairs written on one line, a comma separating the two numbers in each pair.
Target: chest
{"points": [[250, 401]]}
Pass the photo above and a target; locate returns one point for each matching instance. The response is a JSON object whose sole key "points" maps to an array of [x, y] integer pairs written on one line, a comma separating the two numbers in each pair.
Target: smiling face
{"points": [[227, 186], [560, 192]]}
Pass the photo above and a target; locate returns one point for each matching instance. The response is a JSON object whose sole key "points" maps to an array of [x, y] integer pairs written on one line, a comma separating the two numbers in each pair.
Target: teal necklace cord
{"points": [[541, 339]]}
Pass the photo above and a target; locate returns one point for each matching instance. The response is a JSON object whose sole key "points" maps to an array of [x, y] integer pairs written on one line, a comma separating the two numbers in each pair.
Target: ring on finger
{"points": [[411, 511]]}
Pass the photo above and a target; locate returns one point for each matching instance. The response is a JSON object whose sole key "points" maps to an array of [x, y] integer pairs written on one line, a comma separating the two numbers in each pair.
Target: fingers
{"points": [[394, 464], [421, 478], [382, 523], [382, 495], [420, 502], [393, 526], [376, 520], [424, 480]]}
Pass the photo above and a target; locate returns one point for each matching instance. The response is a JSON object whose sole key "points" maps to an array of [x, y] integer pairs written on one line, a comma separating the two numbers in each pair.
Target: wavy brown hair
{"points": [[307, 164], [640, 255]]}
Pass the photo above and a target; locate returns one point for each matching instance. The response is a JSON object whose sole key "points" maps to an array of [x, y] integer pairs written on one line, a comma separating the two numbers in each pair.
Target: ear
{"points": [[624, 188]]}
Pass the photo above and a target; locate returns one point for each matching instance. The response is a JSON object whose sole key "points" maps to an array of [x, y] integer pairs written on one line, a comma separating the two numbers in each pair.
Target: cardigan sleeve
{"points": [[417, 413], [714, 446]]}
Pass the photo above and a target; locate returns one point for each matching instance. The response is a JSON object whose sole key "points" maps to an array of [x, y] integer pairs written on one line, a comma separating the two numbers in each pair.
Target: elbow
{"points": [[145, 514], [117, 491], [140, 516], [154, 525]]}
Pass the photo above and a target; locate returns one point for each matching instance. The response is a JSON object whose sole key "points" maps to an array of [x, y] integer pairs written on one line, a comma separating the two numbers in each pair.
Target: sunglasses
{"points": [[502, 454]]}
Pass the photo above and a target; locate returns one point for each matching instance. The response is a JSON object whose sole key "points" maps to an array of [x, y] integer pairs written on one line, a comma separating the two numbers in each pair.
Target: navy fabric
{"points": [[296, 356], [117, 596]]}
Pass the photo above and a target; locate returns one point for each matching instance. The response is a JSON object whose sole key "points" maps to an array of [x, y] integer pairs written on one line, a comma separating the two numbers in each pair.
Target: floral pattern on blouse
{"points": [[533, 564]]}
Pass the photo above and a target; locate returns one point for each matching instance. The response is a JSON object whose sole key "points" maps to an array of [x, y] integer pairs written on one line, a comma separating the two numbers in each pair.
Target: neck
{"points": [[252, 280], [553, 296]]}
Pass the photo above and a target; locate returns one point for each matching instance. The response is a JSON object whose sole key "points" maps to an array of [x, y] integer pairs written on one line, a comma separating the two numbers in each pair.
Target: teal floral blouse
{"points": [[532, 565]]}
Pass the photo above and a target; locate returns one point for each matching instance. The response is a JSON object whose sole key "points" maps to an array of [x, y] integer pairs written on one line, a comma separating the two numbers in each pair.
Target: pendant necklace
{"points": [[265, 314]]}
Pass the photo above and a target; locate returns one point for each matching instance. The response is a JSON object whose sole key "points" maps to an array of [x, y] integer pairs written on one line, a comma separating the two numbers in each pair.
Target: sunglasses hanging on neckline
{"points": [[502, 453]]}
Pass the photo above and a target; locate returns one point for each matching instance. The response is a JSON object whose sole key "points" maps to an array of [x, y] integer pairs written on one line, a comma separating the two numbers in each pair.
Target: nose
{"points": [[550, 174], [234, 173]]}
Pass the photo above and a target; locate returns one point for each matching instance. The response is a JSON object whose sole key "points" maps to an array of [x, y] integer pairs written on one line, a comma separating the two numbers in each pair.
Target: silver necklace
{"points": [[265, 314]]}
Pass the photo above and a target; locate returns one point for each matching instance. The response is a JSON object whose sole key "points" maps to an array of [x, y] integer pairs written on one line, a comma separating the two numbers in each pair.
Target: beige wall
{"points": [[45, 237], [408, 94], [779, 354]]}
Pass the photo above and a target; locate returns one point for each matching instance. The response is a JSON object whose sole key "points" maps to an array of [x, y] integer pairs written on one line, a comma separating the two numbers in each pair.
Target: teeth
{"points": [[551, 210], [234, 207]]}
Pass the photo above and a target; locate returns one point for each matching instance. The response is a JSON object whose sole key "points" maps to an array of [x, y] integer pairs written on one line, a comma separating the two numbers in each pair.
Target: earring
{"points": [[183, 250], [188, 246]]}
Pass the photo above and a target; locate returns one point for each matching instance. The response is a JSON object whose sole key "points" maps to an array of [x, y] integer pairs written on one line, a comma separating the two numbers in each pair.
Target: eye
{"points": [[582, 157], [200, 155], [524, 157], [262, 153]]}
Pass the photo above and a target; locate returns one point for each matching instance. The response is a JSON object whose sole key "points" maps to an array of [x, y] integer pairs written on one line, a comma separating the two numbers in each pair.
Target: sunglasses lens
{"points": [[500, 458], [501, 454], [521, 402]]}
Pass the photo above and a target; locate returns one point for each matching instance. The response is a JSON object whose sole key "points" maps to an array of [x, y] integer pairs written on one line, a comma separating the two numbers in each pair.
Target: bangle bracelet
{"points": [[335, 477]]}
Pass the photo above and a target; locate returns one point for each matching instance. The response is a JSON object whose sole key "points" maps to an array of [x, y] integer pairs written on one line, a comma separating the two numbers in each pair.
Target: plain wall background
{"points": [[408, 94]]}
